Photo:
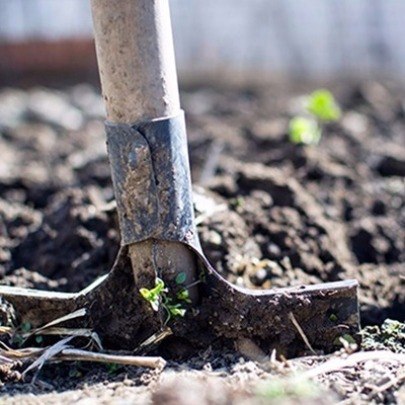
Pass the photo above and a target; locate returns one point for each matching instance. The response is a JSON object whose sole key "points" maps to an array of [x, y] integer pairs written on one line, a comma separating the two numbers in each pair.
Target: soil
{"points": [[269, 213]]}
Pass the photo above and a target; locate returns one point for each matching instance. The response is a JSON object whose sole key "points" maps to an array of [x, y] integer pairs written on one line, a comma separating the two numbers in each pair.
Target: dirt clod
{"points": [[271, 214]]}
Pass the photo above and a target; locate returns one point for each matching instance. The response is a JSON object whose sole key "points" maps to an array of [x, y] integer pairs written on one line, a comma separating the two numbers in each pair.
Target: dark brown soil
{"points": [[276, 214]]}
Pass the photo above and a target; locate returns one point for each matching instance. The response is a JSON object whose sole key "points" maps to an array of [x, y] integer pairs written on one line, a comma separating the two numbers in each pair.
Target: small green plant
{"points": [[333, 318], [344, 340], [159, 294], [320, 108], [180, 278], [39, 339], [26, 327], [183, 295], [304, 130], [390, 335], [112, 368], [280, 389], [173, 309], [322, 105], [74, 371], [153, 295], [237, 202], [18, 338]]}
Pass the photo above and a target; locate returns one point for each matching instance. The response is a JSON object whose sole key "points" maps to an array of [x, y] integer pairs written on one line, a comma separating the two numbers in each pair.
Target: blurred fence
{"points": [[312, 38]]}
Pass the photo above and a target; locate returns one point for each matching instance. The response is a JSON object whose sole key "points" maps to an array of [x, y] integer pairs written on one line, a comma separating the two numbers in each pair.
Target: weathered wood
{"points": [[138, 76], [136, 59]]}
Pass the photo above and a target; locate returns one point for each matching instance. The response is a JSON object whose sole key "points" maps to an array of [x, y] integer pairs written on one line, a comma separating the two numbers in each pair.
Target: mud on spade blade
{"points": [[152, 157]]}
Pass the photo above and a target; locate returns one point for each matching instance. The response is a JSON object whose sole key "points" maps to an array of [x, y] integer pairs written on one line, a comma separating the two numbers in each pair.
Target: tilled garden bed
{"points": [[270, 214]]}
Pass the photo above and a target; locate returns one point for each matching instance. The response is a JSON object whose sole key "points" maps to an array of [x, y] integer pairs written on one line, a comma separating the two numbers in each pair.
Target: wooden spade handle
{"points": [[139, 82], [136, 59]]}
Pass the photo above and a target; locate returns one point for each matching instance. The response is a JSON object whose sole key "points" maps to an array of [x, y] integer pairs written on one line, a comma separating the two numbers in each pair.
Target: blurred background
{"points": [[270, 38]]}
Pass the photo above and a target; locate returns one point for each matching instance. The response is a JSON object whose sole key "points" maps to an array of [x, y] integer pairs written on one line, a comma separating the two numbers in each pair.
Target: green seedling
{"points": [[18, 338], [26, 327], [333, 318], [304, 130], [320, 108], [322, 105], [347, 338], [392, 328], [181, 278], [183, 295], [202, 277], [390, 335], [39, 339], [237, 202], [283, 389], [74, 372], [158, 294], [173, 309], [153, 295], [112, 368]]}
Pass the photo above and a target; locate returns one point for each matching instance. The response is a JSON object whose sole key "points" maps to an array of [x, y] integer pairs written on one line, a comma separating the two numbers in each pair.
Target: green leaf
{"points": [[183, 295], [393, 328], [174, 310], [333, 318], [177, 311], [159, 286], [390, 335], [202, 277], [181, 278], [26, 327], [152, 295], [323, 106], [18, 340], [284, 390], [348, 338], [237, 202], [74, 373], [147, 294], [112, 368], [304, 130], [39, 339]]}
